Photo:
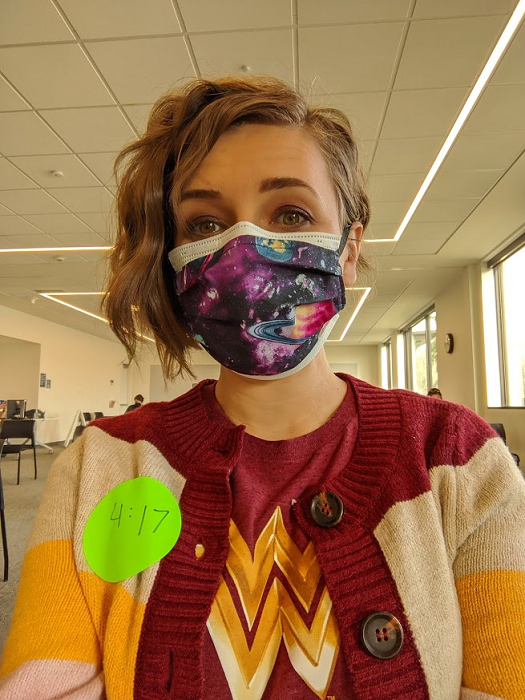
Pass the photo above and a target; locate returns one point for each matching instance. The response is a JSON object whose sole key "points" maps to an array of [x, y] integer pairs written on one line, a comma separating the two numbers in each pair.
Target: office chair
{"points": [[4, 531], [21, 428], [500, 429]]}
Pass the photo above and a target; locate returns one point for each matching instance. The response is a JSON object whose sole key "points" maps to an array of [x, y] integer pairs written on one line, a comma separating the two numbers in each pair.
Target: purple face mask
{"points": [[262, 304]]}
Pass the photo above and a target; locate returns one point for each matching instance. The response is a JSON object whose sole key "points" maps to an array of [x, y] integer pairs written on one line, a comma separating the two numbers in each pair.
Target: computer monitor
{"points": [[16, 408]]}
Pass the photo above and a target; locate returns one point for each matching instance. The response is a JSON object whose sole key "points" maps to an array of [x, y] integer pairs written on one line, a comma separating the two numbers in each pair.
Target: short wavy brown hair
{"points": [[152, 172]]}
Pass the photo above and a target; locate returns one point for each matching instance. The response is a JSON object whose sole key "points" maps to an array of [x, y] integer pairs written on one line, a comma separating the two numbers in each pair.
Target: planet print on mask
{"points": [[275, 249], [261, 305]]}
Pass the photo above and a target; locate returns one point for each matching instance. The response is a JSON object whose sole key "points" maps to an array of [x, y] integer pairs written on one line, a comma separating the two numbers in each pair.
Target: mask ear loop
{"points": [[344, 239]]}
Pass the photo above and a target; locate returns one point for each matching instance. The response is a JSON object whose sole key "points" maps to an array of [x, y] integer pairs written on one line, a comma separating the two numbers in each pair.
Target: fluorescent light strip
{"points": [[487, 71], [72, 249], [51, 297], [366, 291]]}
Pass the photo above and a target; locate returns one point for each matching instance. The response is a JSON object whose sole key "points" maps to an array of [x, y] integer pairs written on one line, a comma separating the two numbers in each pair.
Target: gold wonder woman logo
{"points": [[312, 651]]}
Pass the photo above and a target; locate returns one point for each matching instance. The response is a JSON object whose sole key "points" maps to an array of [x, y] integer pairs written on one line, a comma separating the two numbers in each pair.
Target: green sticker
{"points": [[134, 526]]}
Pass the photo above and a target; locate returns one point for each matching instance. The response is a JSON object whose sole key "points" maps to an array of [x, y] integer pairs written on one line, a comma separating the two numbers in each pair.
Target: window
{"points": [[420, 354], [386, 365], [503, 300]]}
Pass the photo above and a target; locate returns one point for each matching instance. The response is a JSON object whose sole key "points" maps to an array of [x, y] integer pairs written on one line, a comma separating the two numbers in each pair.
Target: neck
{"points": [[281, 409]]}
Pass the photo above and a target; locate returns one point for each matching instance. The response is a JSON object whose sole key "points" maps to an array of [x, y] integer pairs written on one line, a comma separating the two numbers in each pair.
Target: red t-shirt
{"points": [[272, 631]]}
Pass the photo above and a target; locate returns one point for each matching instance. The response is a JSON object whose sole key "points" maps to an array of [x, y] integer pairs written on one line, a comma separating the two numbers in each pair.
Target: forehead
{"points": [[253, 150]]}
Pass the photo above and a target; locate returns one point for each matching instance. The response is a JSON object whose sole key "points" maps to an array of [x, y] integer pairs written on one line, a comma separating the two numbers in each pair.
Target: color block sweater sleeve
{"points": [[53, 650], [482, 501]]}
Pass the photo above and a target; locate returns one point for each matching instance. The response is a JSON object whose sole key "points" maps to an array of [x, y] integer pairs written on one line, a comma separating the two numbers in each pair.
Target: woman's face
{"points": [[273, 176]]}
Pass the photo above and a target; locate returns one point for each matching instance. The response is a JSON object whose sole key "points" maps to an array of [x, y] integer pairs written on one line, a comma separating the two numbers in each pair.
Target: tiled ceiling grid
{"points": [[77, 81]]}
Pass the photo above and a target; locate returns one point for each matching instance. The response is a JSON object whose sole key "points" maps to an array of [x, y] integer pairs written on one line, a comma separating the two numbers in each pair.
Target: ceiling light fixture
{"points": [[366, 291], [52, 297], [489, 67]]}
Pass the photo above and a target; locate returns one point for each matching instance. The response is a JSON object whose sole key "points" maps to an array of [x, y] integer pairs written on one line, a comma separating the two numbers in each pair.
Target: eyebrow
{"points": [[272, 183]]}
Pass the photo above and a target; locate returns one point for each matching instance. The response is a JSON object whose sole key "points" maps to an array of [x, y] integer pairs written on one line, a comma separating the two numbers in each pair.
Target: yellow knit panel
{"points": [[493, 611], [51, 600], [118, 618]]}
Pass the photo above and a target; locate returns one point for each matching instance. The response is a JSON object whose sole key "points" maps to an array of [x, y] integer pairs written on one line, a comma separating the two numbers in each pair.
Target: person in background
{"points": [[139, 400], [435, 392], [337, 540]]}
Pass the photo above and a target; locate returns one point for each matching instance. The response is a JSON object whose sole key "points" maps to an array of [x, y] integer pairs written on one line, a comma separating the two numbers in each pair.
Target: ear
{"points": [[350, 254]]}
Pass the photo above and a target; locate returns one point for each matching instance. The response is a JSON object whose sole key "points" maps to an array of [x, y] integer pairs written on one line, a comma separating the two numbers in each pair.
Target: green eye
{"points": [[207, 227], [292, 218]]}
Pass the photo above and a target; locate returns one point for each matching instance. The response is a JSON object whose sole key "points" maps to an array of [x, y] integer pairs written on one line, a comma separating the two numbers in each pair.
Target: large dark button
{"points": [[382, 635], [327, 509]]}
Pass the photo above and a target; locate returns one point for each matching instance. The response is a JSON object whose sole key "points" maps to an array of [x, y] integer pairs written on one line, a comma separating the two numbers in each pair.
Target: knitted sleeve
{"points": [[53, 649], [485, 516]]}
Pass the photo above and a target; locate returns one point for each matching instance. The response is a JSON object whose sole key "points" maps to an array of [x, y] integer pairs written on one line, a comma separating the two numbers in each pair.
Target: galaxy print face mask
{"points": [[262, 304]]}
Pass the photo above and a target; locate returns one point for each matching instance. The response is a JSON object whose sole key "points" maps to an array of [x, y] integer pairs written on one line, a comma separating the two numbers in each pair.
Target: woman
{"points": [[337, 540]]}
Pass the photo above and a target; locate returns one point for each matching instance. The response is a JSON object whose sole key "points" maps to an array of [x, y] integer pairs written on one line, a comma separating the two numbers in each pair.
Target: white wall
{"points": [[19, 370], [366, 357], [456, 371], [81, 368]]}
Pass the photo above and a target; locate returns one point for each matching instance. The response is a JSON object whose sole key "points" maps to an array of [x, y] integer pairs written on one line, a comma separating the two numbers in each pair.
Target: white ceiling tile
{"points": [[90, 129], [444, 210], [221, 54], [394, 188], [12, 179], [364, 109], [23, 133], [377, 230], [421, 113], [367, 65], [27, 22], [9, 100], [11, 225], [388, 213], [510, 69], [452, 8], [41, 168], [98, 19], [462, 184], [494, 152], [139, 115], [447, 52], [423, 247], [101, 223], [75, 239], [36, 240], [5, 212], [140, 70], [30, 202], [394, 156], [101, 164], [58, 223], [337, 12], [54, 75], [430, 230], [84, 199], [19, 258], [209, 15], [499, 111]]}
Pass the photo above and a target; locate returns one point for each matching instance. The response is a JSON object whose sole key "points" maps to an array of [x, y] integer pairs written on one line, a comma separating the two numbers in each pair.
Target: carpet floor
{"points": [[21, 505]]}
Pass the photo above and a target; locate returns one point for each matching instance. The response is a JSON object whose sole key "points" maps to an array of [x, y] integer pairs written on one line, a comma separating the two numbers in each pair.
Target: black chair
{"points": [[18, 429], [99, 414], [87, 417], [4, 531], [500, 429]]}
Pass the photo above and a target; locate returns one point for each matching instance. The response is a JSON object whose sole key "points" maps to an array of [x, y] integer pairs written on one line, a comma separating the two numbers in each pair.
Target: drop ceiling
{"points": [[77, 80]]}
